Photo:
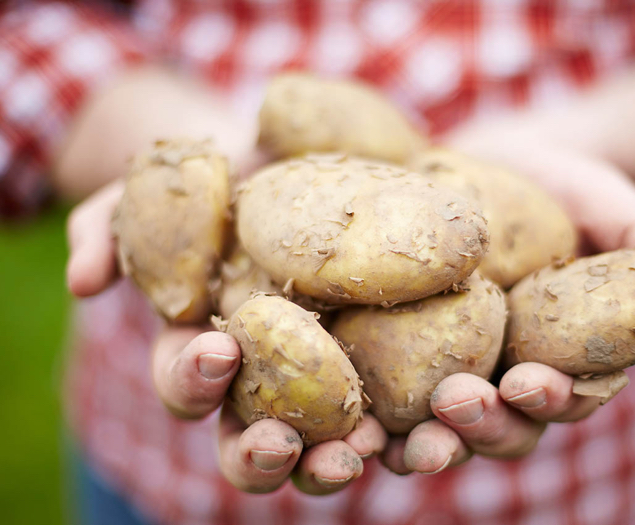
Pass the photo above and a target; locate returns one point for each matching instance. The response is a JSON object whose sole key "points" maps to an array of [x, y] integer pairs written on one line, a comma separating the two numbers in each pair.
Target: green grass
{"points": [[33, 320]]}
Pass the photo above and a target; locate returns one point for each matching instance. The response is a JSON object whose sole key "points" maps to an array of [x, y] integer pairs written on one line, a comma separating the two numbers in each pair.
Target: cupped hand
{"points": [[473, 416], [192, 368]]}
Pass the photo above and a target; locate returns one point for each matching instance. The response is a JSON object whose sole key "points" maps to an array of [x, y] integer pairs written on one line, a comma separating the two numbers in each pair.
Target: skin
{"points": [[567, 158]]}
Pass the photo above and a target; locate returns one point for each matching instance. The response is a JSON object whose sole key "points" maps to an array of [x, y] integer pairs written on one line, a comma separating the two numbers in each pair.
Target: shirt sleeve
{"points": [[52, 55]]}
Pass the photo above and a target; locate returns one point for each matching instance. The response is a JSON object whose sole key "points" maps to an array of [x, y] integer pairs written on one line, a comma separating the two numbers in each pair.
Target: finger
{"points": [[192, 369], [432, 446], [605, 212], [393, 455], [92, 264], [474, 409], [327, 468], [260, 458], [545, 394], [368, 438]]}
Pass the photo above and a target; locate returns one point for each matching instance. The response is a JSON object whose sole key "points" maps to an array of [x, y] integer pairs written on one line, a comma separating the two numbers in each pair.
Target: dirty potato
{"points": [[349, 230], [171, 225], [239, 278], [292, 370], [302, 113], [402, 353], [528, 230], [578, 318]]}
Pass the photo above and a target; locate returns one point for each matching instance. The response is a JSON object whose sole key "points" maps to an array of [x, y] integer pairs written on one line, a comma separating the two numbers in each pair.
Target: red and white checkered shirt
{"points": [[445, 61]]}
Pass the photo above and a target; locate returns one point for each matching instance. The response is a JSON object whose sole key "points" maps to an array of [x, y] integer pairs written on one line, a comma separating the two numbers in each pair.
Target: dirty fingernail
{"points": [[215, 366], [531, 399], [269, 459], [333, 483], [464, 413], [442, 467]]}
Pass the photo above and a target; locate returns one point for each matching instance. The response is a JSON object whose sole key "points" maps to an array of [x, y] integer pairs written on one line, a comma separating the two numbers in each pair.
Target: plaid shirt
{"points": [[444, 61]]}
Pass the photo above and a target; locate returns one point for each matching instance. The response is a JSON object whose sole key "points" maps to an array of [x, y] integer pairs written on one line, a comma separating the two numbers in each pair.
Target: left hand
{"points": [[473, 416]]}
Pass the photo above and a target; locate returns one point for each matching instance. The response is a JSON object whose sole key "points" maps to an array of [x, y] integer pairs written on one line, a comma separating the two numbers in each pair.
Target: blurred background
{"points": [[33, 320]]}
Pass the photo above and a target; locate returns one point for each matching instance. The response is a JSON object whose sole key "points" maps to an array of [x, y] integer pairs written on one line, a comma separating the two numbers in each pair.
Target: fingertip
{"points": [[328, 467], [215, 342], [368, 438], [88, 275], [260, 458], [544, 393], [193, 370], [432, 446], [270, 445]]}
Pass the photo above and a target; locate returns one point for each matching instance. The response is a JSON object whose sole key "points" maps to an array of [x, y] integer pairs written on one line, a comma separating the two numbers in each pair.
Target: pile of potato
{"points": [[364, 266]]}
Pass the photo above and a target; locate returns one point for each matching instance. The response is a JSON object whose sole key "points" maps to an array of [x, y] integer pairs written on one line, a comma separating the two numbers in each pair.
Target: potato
{"points": [[402, 353], [355, 231], [578, 318], [292, 370], [528, 230], [171, 225], [240, 277], [302, 113]]}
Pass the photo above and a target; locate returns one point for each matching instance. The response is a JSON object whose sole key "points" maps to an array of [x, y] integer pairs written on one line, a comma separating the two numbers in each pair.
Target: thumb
{"points": [[192, 369], [598, 197]]}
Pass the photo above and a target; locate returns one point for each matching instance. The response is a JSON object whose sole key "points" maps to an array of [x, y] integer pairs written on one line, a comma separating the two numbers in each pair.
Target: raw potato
{"points": [[302, 113], [528, 230], [355, 231], [171, 226], [578, 318], [402, 353], [240, 277], [293, 370]]}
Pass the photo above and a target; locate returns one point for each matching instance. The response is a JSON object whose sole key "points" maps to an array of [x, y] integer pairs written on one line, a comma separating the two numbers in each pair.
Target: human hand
{"points": [[473, 417], [192, 369]]}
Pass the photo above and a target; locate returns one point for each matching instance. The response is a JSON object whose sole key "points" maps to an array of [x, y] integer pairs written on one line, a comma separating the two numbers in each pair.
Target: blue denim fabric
{"points": [[98, 503]]}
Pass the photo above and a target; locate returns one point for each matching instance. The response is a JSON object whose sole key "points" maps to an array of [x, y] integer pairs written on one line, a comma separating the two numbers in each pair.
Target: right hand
{"points": [[193, 367]]}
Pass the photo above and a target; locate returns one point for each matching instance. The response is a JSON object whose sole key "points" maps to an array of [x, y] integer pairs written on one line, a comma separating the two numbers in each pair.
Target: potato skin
{"points": [[528, 229], [240, 276], [402, 353], [354, 231], [302, 113], [292, 370], [579, 318], [171, 226]]}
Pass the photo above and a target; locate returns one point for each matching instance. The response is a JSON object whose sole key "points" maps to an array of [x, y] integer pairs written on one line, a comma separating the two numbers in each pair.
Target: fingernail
{"points": [[332, 483], [442, 467], [268, 459], [531, 399], [367, 456], [215, 366], [464, 413]]}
